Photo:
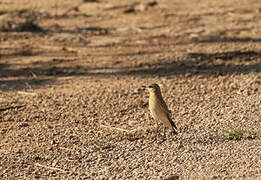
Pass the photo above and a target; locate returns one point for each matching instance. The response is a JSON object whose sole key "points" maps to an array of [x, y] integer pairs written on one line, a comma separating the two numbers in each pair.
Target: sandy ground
{"points": [[72, 104]]}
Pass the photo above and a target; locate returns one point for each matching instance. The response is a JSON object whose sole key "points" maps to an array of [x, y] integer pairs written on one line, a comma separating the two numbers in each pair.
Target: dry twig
{"points": [[10, 107], [48, 167], [27, 93]]}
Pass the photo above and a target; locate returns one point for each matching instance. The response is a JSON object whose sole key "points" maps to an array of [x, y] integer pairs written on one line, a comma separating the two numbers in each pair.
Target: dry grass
{"points": [[239, 134]]}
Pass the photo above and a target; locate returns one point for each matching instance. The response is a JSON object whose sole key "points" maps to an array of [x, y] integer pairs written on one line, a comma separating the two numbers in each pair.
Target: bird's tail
{"points": [[174, 127], [175, 131]]}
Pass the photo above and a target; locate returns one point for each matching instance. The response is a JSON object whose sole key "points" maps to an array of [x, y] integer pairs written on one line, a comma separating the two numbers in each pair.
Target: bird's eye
{"points": [[150, 86]]}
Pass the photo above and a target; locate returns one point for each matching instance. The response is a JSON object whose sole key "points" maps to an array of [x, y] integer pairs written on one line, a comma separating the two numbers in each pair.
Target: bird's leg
{"points": [[157, 132], [164, 135], [156, 136]]}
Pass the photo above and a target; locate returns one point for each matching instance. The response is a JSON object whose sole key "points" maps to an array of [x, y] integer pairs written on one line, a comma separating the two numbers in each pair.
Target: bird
{"points": [[159, 109]]}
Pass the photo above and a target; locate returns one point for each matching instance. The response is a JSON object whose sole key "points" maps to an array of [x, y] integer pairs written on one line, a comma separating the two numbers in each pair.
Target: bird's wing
{"points": [[164, 108], [163, 105]]}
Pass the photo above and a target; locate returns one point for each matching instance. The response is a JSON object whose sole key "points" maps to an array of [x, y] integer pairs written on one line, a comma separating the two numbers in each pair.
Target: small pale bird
{"points": [[159, 109]]}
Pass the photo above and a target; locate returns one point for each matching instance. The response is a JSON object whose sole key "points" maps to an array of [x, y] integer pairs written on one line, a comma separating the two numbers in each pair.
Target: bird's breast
{"points": [[154, 107]]}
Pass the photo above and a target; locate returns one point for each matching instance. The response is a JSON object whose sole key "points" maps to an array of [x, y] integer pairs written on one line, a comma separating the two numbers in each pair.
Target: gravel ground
{"points": [[72, 104]]}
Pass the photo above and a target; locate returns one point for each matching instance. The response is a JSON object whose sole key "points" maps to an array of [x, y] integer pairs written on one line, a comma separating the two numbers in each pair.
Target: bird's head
{"points": [[153, 88]]}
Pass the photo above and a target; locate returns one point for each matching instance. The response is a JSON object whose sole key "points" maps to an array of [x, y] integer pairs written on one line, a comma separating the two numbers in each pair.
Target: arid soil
{"points": [[72, 104]]}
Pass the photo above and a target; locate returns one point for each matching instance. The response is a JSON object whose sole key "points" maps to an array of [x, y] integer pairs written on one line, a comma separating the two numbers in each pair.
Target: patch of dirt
{"points": [[72, 102]]}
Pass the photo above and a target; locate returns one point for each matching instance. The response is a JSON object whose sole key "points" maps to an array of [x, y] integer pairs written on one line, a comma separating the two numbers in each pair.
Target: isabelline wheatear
{"points": [[159, 109]]}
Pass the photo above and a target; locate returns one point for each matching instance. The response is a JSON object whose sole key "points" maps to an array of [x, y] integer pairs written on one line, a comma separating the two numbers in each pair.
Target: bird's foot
{"points": [[162, 140]]}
